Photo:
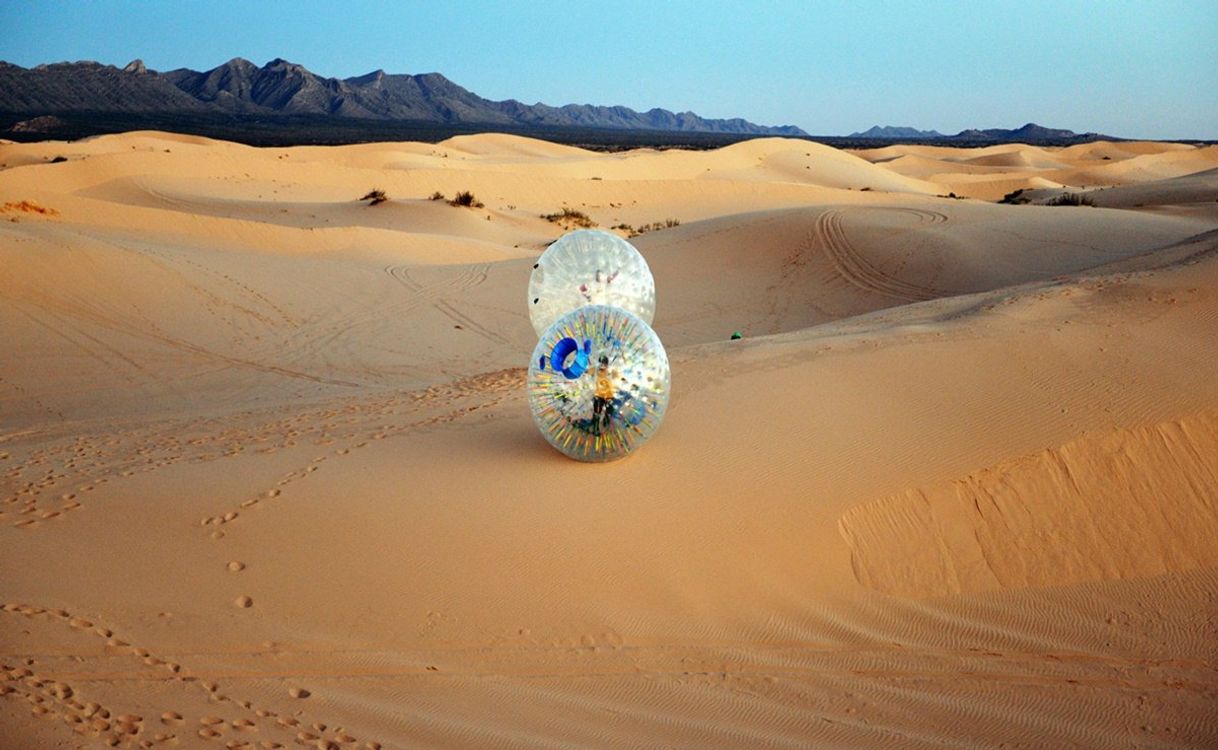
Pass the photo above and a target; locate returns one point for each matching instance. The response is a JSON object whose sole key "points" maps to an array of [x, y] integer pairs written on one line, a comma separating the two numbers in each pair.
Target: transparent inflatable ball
{"points": [[589, 267], [598, 383]]}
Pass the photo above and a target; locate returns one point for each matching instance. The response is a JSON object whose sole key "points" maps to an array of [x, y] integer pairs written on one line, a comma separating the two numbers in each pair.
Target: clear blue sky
{"points": [[1137, 69]]}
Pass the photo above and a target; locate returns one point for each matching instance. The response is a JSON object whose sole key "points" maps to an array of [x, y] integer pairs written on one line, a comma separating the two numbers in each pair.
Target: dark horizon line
{"points": [[280, 130]]}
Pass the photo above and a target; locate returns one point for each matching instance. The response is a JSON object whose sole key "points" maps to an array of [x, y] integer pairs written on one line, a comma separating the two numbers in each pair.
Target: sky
{"points": [[1130, 69]]}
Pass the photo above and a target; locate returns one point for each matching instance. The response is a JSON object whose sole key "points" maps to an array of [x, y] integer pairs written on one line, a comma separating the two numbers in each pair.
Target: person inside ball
{"points": [[602, 398]]}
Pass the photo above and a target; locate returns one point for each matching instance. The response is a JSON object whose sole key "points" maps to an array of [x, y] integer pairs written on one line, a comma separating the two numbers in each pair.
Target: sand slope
{"points": [[989, 173], [270, 479]]}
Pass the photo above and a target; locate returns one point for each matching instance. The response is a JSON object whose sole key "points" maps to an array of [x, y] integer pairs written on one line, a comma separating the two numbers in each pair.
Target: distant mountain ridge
{"points": [[282, 87], [891, 131], [1030, 133]]}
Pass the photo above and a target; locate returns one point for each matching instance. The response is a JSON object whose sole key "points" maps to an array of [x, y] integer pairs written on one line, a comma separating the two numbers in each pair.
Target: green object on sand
{"points": [[736, 335]]}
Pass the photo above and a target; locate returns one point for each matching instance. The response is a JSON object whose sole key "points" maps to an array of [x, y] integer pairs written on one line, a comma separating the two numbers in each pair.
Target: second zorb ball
{"points": [[598, 384], [589, 267]]}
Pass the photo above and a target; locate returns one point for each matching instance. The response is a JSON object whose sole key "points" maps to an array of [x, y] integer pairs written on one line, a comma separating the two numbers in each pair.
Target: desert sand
{"points": [[269, 476]]}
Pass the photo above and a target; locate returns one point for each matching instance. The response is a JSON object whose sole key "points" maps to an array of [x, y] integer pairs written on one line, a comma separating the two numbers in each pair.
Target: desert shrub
{"points": [[570, 217], [29, 207], [1070, 199], [375, 196], [436, 196], [1015, 198], [467, 199], [654, 226]]}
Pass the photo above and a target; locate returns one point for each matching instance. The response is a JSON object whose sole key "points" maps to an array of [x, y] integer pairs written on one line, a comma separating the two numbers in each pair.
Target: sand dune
{"points": [[270, 479], [1069, 514], [989, 173], [1026, 157]]}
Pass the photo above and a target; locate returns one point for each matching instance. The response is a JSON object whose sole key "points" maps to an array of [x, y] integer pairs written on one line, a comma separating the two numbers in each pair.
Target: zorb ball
{"points": [[589, 267], [598, 383]]}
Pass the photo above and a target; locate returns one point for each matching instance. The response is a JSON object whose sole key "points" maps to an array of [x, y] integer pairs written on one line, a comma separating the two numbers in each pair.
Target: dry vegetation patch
{"points": [[654, 226], [375, 197], [28, 207], [464, 198], [569, 217], [1071, 199]]}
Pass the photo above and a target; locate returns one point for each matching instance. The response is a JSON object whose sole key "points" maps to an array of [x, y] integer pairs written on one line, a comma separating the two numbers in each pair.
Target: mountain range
{"points": [[896, 131], [1030, 133], [239, 87]]}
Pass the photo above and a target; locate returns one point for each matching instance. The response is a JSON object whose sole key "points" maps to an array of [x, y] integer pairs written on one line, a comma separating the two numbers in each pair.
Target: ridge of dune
{"points": [[991, 172], [1150, 167], [500, 145], [1122, 149], [1028, 157], [1188, 190], [1079, 512]]}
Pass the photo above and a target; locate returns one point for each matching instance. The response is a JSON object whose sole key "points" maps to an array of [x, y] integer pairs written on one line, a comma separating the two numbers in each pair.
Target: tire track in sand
{"points": [[437, 295], [852, 266]]}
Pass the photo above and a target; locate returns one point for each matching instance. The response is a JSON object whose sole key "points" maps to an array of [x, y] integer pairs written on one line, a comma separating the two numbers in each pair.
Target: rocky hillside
{"points": [[281, 87]]}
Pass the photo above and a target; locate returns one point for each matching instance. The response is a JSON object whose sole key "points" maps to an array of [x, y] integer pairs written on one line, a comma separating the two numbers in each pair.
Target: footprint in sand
{"points": [[60, 690], [129, 723]]}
